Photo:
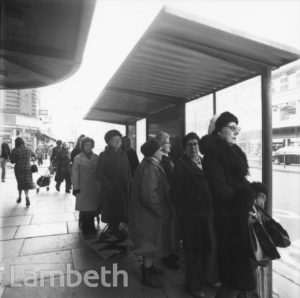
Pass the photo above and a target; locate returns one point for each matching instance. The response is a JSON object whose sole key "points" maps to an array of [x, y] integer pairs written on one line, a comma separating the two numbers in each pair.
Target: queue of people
{"points": [[199, 203]]}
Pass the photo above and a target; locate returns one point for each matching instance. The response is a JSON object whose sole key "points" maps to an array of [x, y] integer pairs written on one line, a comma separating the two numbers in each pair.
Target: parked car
{"points": [[287, 155]]}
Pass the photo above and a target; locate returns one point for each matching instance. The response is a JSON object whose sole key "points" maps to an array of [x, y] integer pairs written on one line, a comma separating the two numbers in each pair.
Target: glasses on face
{"points": [[234, 128], [190, 145]]}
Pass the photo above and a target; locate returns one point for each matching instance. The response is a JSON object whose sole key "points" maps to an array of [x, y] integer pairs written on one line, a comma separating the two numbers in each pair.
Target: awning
{"points": [[42, 42], [181, 58]]}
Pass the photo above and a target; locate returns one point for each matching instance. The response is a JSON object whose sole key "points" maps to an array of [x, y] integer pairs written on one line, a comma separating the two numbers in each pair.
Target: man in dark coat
{"points": [[191, 196], [54, 154], [225, 167], [131, 154], [114, 175]]}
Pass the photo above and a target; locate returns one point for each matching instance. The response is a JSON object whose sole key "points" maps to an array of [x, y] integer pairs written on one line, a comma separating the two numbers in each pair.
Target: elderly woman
{"points": [[193, 202], [21, 157], [114, 175], [63, 171], [225, 167], [85, 185], [151, 213]]}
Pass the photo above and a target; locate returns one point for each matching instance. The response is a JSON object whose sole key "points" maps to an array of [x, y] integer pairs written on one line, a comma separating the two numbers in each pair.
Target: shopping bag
{"points": [[278, 234], [262, 247]]}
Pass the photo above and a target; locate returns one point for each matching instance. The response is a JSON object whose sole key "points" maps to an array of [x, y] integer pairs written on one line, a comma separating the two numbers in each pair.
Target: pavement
{"points": [[44, 254]]}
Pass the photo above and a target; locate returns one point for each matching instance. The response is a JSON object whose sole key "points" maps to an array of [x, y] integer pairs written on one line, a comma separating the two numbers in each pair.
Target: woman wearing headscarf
{"points": [[21, 157], [114, 175], [151, 213], [226, 168], [4, 157], [192, 198], [85, 185], [63, 171]]}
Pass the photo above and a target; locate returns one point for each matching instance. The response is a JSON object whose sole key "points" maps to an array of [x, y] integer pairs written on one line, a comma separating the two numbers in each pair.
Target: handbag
{"points": [[262, 247], [33, 168], [278, 234]]}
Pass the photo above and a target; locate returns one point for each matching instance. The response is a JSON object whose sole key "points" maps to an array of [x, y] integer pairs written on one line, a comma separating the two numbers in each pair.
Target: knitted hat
{"points": [[217, 122], [110, 134], [150, 147]]}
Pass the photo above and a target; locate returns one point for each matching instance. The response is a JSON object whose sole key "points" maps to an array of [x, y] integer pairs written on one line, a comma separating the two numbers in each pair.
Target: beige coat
{"points": [[84, 179], [151, 220]]}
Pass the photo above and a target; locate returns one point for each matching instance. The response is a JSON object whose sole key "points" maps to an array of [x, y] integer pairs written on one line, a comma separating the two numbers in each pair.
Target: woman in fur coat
{"points": [[226, 168]]}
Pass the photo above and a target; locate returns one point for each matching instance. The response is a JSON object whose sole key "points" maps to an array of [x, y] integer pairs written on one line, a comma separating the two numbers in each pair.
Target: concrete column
{"points": [[266, 109]]}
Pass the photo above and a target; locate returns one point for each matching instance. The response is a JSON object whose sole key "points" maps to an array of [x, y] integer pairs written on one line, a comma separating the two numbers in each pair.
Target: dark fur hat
{"points": [[223, 120], [150, 147]]}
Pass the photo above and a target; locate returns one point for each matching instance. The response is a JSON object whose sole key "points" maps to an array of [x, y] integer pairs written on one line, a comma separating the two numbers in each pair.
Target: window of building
{"points": [[284, 83], [298, 79], [287, 110]]}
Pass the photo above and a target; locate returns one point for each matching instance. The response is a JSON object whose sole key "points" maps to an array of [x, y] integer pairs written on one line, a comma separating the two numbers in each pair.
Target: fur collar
{"points": [[230, 156]]}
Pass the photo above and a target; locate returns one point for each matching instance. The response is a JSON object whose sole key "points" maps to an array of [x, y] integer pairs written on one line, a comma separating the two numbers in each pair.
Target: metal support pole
{"points": [[214, 103], [266, 108]]}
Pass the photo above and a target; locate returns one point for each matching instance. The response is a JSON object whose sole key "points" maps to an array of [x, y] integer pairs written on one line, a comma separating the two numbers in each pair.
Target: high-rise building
{"points": [[19, 111]]}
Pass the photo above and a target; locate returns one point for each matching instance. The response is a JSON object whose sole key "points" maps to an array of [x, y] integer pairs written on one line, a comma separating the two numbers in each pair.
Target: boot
{"points": [[150, 280]]}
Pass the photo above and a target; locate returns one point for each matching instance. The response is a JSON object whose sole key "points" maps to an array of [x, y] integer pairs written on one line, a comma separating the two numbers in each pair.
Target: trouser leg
{"points": [[68, 182], [3, 168], [194, 271]]}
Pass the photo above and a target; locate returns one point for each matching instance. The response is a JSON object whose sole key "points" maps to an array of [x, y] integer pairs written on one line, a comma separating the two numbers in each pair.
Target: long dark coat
{"points": [[193, 203], [21, 157], [151, 220], [63, 163], [226, 168], [114, 175]]}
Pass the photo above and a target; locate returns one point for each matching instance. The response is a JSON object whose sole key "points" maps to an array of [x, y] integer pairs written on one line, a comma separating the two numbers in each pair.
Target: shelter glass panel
{"points": [[131, 133], [172, 122], [244, 101], [198, 114], [140, 136]]}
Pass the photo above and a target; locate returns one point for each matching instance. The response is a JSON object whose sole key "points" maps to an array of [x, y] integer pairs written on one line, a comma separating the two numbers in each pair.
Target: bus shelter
{"points": [[181, 58]]}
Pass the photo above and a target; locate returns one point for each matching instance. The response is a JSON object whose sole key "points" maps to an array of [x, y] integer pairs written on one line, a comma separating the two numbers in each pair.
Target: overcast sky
{"points": [[117, 27]]}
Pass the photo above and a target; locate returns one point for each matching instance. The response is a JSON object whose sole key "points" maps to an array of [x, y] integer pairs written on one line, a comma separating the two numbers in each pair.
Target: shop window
{"points": [[284, 83]]}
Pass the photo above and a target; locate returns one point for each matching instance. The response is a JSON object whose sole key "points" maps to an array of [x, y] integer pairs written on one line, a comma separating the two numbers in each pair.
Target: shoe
{"points": [[150, 280], [19, 200], [170, 263], [68, 191], [57, 188], [195, 293], [3, 180], [27, 202]]}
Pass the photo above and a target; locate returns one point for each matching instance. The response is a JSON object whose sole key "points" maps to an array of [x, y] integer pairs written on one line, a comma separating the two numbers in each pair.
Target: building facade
{"points": [[19, 114]]}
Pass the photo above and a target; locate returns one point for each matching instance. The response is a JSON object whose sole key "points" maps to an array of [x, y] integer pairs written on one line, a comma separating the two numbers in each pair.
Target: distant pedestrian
{"points": [[4, 157], [151, 214], [54, 154], [21, 157], [63, 168], [85, 185], [131, 154], [114, 175], [77, 148], [39, 154], [49, 152]]}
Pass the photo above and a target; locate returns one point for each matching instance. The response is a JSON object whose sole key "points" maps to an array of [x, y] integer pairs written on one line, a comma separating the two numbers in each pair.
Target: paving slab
{"points": [[10, 248], [51, 244], [73, 227], [14, 221], [52, 218], [41, 230], [7, 233]]}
